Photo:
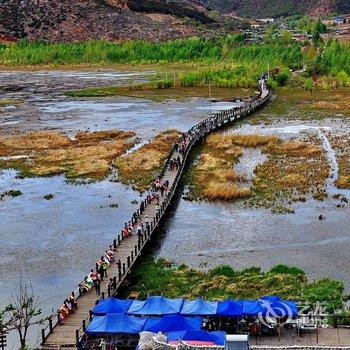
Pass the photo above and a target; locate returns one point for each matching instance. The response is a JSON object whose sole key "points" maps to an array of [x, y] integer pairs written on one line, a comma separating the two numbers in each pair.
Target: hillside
{"points": [[276, 8], [66, 20]]}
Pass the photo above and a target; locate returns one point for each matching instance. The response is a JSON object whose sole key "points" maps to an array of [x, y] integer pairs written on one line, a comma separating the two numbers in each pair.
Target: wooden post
{"points": [[132, 255], [123, 268], [128, 261], [77, 337], [119, 275], [84, 325], [114, 243], [135, 250], [50, 325], [109, 290], [90, 315], [42, 336]]}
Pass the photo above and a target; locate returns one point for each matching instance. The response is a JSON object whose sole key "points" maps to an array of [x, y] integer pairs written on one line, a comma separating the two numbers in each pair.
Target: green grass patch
{"points": [[161, 277]]}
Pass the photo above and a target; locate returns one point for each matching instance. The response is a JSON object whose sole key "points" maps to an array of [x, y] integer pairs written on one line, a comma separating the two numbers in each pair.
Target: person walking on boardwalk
{"points": [[97, 285], [139, 231], [148, 227]]}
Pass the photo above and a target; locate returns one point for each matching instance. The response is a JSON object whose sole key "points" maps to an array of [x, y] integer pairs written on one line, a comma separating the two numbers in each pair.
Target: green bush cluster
{"points": [[221, 77], [183, 50], [161, 277]]}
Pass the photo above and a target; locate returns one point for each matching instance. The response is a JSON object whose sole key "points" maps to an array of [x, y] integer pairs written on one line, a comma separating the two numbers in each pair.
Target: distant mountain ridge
{"points": [[277, 8], [77, 20]]}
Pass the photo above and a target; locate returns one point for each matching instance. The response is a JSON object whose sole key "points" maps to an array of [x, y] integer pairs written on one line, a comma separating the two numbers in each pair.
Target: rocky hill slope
{"points": [[276, 8], [67, 20]]}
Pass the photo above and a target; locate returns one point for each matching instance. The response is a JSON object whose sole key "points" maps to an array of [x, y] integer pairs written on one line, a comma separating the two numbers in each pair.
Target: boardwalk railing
{"points": [[193, 135]]}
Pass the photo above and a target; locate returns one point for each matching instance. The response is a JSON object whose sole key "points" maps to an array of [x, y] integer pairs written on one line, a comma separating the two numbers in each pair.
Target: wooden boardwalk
{"points": [[65, 335]]}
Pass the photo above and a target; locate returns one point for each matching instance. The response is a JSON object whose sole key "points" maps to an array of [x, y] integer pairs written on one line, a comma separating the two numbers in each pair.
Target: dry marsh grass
{"points": [[213, 176], [341, 145], [332, 105], [49, 153], [140, 168], [292, 170], [227, 141]]}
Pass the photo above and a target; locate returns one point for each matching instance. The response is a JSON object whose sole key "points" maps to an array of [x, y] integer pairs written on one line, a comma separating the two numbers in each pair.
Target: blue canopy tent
{"points": [[115, 323], [156, 305], [230, 308], [274, 306], [252, 308], [173, 323], [271, 298], [217, 337], [199, 307], [111, 305]]}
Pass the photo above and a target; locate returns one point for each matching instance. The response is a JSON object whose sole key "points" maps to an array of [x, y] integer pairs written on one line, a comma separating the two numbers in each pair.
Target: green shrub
{"points": [[223, 270], [282, 77], [309, 85], [271, 83], [164, 84], [284, 269]]}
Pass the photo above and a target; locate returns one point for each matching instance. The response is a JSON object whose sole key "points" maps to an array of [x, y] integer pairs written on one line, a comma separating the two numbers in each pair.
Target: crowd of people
{"points": [[138, 224]]}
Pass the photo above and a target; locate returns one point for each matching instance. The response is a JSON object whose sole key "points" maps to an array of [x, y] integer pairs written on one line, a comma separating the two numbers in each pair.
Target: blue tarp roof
{"points": [[199, 307], [279, 308], [111, 305], [116, 323], [173, 323], [231, 308], [252, 307], [156, 305], [218, 337], [271, 298]]}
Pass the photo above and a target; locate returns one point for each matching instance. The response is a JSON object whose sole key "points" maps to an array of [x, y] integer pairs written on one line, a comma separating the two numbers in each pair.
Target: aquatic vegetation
{"points": [[161, 277], [142, 166], [152, 92], [49, 196], [299, 104], [213, 176], [45, 153], [11, 193], [294, 168], [10, 102]]}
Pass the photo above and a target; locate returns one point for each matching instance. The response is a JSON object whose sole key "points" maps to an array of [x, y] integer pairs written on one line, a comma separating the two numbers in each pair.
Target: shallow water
{"points": [[204, 235], [54, 243], [47, 241], [46, 107]]}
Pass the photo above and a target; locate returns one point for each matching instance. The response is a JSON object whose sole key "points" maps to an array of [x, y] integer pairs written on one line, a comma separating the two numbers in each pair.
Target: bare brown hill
{"points": [[67, 20]]}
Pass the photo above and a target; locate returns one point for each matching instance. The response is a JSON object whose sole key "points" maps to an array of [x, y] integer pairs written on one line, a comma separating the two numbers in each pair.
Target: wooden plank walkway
{"points": [[57, 335]]}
